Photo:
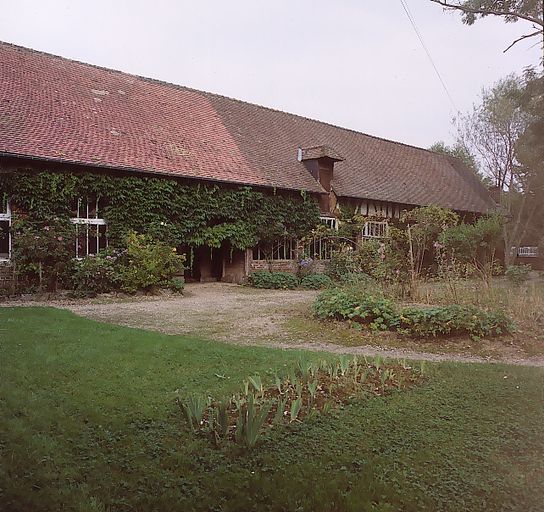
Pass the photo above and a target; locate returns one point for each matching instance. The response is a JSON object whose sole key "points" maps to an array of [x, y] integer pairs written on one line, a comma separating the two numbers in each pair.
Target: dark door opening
{"points": [[206, 265]]}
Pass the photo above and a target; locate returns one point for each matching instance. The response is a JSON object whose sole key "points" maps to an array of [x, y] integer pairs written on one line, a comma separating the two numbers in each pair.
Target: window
{"points": [[527, 252], [90, 227], [284, 249], [375, 229], [5, 228], [330, 222]]}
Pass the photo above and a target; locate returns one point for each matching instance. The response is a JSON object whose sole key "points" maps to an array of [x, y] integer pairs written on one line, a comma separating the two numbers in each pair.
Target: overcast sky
{"points": [[354, 63]]}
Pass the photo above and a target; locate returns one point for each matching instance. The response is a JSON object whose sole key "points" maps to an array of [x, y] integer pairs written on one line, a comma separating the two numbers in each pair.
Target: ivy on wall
{"points": [[166, 209]]}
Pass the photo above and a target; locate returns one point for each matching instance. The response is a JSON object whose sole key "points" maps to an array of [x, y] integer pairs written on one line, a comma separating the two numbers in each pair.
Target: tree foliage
{"points": [[462, 153], [511, 11]]}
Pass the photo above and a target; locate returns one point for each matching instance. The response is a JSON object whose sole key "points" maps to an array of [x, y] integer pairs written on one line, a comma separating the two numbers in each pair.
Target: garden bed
{"points": [[303, 392]]}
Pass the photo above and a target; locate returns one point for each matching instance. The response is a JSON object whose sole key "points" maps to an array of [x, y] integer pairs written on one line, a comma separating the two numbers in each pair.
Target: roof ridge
{"points": [[179, 86]]}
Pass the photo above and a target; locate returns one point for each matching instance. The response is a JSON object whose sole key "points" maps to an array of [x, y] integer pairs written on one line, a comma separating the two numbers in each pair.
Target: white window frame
{"points": [[86, 221], [330, 222], [375, 229], [527, 252], [6, 216]]}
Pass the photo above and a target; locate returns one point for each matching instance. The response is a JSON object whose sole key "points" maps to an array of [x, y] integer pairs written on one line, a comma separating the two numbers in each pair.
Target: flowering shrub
{"points": [[96, 274], [306, 267], [147, 264], [42, 250]]}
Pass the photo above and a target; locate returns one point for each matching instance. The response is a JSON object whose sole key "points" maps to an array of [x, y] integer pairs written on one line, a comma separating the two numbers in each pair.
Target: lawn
{"points": [[89, 423]]}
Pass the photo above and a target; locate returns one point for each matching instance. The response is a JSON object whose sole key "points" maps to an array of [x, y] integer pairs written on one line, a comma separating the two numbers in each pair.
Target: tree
{"points": [[511, 11], [461, 153], [490, 131], [502, 131], [530, 154]]}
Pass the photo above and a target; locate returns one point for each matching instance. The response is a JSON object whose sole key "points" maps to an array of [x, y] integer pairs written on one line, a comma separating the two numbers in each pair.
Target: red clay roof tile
{"points": [[55, 108]]}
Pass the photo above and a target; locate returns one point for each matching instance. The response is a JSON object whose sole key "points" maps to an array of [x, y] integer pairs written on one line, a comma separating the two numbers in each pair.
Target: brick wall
{"points": [[6, 276], [290, 266]]}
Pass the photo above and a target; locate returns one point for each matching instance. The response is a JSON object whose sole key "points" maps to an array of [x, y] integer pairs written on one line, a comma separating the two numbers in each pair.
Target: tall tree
{"points": [[511, 11], [530, 154], [493, 130]]}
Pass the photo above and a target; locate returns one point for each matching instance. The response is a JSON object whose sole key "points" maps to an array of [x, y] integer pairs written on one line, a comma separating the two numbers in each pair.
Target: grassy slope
{"points": [[88, 423]]}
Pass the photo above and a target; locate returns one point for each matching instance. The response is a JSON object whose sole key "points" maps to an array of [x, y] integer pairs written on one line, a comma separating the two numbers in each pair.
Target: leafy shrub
{"points": [[306, 267], [273, 280], [147, 264], [453, 320], [344, 261], [42, 250], [358, 306], [474, 244], [360, 278], [517, 274], [176, 284], [95, 274], [316, 281]]}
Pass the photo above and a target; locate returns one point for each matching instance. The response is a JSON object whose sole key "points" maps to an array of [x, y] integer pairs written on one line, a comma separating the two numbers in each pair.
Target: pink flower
{"points": [[60, 239], [46, 228]]}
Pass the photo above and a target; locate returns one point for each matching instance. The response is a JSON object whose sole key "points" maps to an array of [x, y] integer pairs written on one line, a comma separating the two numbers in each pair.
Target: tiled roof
{"points": [[319, 152], [59, 109]]}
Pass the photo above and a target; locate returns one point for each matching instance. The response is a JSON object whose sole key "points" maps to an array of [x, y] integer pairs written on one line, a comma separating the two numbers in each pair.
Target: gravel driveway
{"points": [[223, 311]]}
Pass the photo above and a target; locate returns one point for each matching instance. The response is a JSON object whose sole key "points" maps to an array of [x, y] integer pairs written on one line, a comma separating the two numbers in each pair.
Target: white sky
{"points": [[354, 63]]}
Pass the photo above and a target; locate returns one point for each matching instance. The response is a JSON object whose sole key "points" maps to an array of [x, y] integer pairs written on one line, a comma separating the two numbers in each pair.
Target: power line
{"points": [[420, 37]]}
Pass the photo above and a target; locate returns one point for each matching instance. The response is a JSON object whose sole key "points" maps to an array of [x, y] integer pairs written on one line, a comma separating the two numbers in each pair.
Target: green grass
{"points": [[88, 423]]}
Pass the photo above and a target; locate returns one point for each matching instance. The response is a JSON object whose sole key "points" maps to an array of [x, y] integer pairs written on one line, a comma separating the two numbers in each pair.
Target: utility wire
{"points": [[420, 37]]}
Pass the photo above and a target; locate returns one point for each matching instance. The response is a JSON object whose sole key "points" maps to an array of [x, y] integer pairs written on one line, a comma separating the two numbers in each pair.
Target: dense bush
{"points": [[474, 245], [43, 251], [316, 281], [96, 274], [517, 274], [343, 261], [147, 264], [273, 280], [453, 320], [363, 306], [176, 284], [358, 306]]}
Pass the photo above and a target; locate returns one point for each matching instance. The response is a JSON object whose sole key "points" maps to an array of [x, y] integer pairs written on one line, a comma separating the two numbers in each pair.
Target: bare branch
{"points": [[487, 12], [537, 33]]}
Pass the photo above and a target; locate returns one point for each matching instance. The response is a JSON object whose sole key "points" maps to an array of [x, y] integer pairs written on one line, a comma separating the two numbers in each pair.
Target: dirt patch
{"points": [[278, 318]]}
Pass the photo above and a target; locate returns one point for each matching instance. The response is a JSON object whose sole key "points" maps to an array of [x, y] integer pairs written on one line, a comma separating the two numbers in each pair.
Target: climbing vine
{"points": [[165, 209]]}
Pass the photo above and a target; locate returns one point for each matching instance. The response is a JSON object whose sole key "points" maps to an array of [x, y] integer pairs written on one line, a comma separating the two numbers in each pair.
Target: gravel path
{"points": [[238, 315]]}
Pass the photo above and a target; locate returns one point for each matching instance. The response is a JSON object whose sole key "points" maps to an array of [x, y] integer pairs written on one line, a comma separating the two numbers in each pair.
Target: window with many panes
{"points": [[5, 228], [375, 229], [284, 249], [91, 234], [330, 222]]}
